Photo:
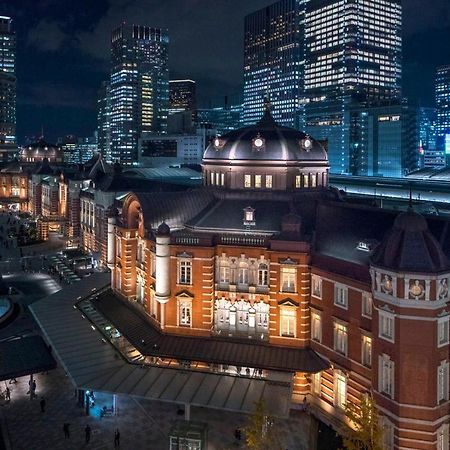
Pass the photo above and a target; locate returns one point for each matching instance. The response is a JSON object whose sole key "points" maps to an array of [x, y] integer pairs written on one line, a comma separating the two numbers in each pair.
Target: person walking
{"points": [[87, 433], [66, 430], [33, 390], [7, 394], [42, 403], [117, 438]]}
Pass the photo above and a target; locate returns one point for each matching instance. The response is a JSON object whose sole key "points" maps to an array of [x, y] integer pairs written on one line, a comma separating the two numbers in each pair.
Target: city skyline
{"points": [[62, 58]]}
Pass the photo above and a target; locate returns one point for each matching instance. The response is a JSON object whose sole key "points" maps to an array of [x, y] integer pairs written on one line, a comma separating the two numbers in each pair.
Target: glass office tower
{"points": [[182, 96], [353, 54], [273, 61], [443, 114], [139, 88], [7, 88]]}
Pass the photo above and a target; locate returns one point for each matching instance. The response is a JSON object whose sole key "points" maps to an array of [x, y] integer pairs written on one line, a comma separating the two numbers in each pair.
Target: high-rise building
{"points": [[274, 60], [353, 53], [139, 87], [104, 121], [7, 88], [443, 113], [427, 137], [182, 96]]}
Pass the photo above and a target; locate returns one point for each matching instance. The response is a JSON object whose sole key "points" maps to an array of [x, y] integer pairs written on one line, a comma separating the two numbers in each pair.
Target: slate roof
{"points": [[150, 341]]}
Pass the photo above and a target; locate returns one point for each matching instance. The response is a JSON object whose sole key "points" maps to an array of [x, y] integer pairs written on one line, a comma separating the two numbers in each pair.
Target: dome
{"points": [[410, 247], [163, 230], [39, 150], [266, 141]]}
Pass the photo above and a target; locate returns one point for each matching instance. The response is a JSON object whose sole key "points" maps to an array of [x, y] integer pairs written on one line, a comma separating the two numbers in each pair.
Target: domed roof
{"points": [[410, 247], [163, 230], [41, 149], [266, 141]]}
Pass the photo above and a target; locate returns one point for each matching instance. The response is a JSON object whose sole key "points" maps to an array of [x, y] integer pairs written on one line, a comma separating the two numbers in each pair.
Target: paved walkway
{"points": [[143, 424]]}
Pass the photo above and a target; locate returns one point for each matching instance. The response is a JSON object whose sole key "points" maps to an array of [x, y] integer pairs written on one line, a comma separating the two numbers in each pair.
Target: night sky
{"points": [[63, 51]]}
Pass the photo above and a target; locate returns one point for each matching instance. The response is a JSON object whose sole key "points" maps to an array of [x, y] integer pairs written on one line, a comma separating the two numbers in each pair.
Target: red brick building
{"points": [[350, 298]]}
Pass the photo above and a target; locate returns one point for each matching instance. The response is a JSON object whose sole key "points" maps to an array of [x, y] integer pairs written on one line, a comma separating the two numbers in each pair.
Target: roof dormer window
{"points": [[249, 216], [258, 143]]}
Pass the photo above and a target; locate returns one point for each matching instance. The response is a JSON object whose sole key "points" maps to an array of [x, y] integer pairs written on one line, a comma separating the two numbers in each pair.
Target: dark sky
{"points": [[63, 51]]}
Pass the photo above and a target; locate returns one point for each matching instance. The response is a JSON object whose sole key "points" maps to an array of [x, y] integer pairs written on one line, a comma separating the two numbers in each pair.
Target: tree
{"points": [[260, 431], [366, 432]]}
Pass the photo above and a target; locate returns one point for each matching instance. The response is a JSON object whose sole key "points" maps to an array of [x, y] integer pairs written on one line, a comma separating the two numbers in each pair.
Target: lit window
{"points": [[443, 331], [442, 382], [263, 275], [224, 274], [298, 181], [269, 181], [313, 180], [288, 279], [366, 307], [316, 381], [217, 178], [222, 179], [247, 181], [243, 273], [366, 351], [212, 177], [340, 338], [386, 375], [305, 180], [119, 247], [316, 327], [316, 283], [184, 313], [340, 389], [341, 295], [386, 326], [258, 181], [288, 322], [185, 272]]}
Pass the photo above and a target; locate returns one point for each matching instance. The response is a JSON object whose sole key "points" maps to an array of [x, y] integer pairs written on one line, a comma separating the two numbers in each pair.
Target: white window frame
{"points": [[269, 181], [340, 337], [366, 305], [224, 274], [288, 314], [184, 304], [443, 382], [443, 437], [258, 181], [366, 350], [386, 326], [263, 274], [388, 434], [316, 286], [316, 383], [316, 326], [288, 278], [185, 265], [340, 383], [443, 331], [386, 375], [298, 181], [341, 295], [247, 181]]}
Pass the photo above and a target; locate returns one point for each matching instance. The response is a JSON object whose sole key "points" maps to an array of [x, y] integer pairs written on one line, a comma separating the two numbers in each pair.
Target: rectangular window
{"points": [[366, 307], [298, 181], [316, 327], [247, 181], [442, 382], [185, 314], [212, 177], [288, 320], [366, 351], [313, 180], [305, 181], [224, 274], [222, 179], [152, 263], [316, 381], [316, 286], [386, 375], [443, 331], [119, 247], [340, 338], [340, 389], [386, 326], [269, 181], [258, 181], [341, 296], [217, 178], [185, 272], [288, 276], [443, 438]]}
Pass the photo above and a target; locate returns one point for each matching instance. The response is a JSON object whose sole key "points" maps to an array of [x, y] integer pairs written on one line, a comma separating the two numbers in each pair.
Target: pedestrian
{"points": [[237, 434], [117, 438], [42, 403], [87, 433], [7, 394], [33, 390], [66, 430]]}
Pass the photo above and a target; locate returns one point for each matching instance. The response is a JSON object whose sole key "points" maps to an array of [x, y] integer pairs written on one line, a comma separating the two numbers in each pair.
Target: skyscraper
{"points": [[352, 57], [139, 88], [7, 88], [182, 96], [273, 61], [104, 120], [443, 114]]}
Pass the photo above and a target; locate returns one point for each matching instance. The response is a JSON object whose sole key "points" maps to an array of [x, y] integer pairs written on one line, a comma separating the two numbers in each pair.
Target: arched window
{"points": [[263, 275], [243, 273], [262, 314], [224, 272]]}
